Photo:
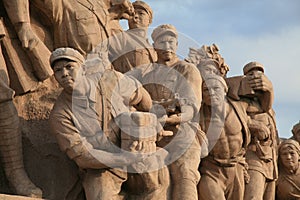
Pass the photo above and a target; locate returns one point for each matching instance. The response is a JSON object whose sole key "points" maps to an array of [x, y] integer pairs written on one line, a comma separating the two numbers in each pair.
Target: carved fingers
{"points": [[260, 82], [121, 9], [173, 119], [27, 36]]}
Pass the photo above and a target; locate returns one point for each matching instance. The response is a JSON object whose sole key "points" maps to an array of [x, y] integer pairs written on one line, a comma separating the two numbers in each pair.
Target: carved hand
{"points": [[121, 9], [258, 129], [26, 35], [260, 82], [173, 119]]}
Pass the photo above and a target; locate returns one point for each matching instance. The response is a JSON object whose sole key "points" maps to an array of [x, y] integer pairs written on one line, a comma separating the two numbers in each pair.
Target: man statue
{"points": [[225, 124], [173, 86], [131, 49], [10, 134], [261, 154], [83, 121]]}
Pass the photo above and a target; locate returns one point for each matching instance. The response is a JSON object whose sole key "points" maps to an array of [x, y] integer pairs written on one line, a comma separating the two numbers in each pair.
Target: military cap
{"points": [[253, 65], [162, 30], [65, 53], [144, 6]]}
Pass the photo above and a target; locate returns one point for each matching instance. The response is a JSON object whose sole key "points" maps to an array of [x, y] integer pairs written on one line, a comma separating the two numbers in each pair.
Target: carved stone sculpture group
{"points": [[133, 119]]}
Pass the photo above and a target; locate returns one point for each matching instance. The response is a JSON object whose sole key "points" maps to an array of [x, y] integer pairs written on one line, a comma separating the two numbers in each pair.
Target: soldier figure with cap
{"points": [[296, 132], [131, 49], [82, 121], [174, 88], [261, 154]]}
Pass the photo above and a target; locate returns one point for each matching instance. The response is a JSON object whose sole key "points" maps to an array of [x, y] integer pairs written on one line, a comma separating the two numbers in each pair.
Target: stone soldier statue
{"points": [[131, 49], [173, 86], [261, 154], [10, 135], [82, 121]]}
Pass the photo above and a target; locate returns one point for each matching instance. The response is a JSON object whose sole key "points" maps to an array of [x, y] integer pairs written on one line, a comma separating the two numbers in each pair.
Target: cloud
{"points": [[250, 18]]}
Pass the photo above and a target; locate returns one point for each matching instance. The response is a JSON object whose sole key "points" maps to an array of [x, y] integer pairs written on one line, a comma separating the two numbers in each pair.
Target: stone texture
{"points": [[15, 197]]}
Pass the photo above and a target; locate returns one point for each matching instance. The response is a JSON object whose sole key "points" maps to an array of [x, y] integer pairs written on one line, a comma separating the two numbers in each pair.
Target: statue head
{"points": [[142, 17], [253, 66], [144, 6], [165, 42], [289, 155], [66, 64], [214, 90]]}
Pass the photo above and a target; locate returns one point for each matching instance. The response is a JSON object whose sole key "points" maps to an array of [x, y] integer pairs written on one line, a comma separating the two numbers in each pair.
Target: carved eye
{"points": [[56, 69]]}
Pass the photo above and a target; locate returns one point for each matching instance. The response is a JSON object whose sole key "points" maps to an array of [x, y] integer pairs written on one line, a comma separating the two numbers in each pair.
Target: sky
{"points": [[267, 31]]}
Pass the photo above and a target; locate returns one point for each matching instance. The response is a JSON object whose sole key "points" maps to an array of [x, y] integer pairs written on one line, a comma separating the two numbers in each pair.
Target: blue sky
{"points": [[267, 31]]}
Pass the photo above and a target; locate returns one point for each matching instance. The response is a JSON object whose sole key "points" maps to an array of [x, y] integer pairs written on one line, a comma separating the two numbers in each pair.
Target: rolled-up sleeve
{"points": [[66, 134]]}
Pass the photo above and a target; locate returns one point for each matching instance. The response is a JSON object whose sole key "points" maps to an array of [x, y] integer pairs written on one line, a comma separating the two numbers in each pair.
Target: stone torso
{"points": [[80, 24], [230, 141]]}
